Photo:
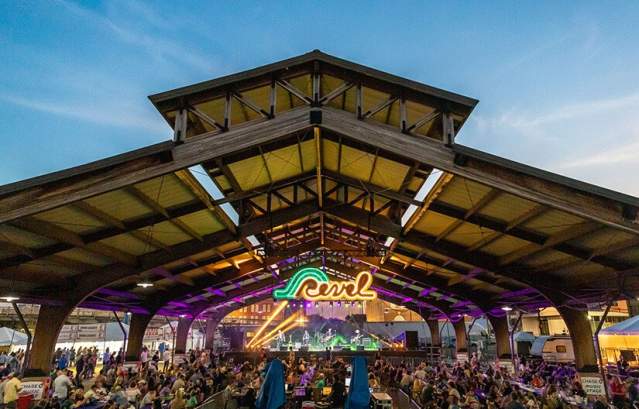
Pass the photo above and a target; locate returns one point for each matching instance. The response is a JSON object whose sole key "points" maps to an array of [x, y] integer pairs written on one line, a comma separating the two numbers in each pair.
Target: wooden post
{"points": [[179, 129], [448, 128]]}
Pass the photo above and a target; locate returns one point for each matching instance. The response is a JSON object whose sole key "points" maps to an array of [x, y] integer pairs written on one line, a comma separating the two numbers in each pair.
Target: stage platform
{"points": [[431, 353]]}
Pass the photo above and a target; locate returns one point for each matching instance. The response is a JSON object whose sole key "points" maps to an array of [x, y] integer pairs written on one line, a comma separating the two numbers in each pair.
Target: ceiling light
{"points": [[506, 308], [10, 298], [145, 284]]}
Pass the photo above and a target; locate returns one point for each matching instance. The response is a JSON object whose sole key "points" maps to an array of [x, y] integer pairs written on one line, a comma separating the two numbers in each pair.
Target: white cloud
{"points": [[119, 116], [159, 48], [596, 140]]}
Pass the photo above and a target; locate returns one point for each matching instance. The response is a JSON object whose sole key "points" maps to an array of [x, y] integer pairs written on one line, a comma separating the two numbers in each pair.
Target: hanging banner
{"points": [[68, 333], [90, 332]]}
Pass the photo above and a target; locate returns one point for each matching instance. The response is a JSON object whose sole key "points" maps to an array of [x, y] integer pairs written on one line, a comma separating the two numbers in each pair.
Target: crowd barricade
{"points": [[216, 401], [405, 401]]}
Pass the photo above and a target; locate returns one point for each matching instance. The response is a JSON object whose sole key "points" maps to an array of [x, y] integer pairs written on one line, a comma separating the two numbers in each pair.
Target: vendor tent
{"points": [[627, 327], [9, 337], [621, 339]]}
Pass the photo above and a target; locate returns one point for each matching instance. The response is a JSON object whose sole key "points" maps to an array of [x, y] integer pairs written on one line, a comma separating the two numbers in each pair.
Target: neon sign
{"points": [[312, 284]]}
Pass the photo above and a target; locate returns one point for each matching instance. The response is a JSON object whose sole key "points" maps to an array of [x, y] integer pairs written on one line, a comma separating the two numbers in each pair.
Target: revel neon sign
{"points": [[312, 284]]}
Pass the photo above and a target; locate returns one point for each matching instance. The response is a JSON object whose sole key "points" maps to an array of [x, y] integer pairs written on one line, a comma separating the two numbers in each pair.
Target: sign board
{"points": [[36, 387], [312, 284], [507, 365], [179, 359], [593, 384], [90, 332]]}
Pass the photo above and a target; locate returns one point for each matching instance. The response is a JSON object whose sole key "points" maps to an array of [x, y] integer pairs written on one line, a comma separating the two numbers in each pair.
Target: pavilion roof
{"points": [[314, 158]]}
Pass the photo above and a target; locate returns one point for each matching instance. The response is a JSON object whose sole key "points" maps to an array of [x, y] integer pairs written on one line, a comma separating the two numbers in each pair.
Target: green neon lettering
{"points": [[290, 291]]}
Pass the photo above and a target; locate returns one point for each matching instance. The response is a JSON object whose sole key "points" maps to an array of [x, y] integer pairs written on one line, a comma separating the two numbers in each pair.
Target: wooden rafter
{"points": [[55, 232], [551, 241], [155, 206], [118, 224], [486, 199], [529, 215]]}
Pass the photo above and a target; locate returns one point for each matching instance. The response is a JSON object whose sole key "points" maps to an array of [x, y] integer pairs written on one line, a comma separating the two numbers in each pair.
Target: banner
{"points": [[90, 332]]}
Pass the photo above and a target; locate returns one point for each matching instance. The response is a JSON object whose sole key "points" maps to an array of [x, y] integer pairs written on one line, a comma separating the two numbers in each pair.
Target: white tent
{"points": [[9, 336]]}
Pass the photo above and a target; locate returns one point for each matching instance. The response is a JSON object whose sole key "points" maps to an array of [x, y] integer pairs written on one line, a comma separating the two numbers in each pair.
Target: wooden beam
{"points": [[105, 233], [206, 118], [379, 107], [118, 224], [494, 174], [154, 205], [336, 92], [567, 234], [294, 90], [250, 104], [423, 121], [369, 187], [523, 218], [487, 198], [318, 166], [57, 233], [196, 188], [115, 173]]}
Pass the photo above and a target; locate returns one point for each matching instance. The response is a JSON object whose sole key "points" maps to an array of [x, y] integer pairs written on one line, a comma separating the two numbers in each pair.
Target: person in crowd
{"points": [[11, 390]]}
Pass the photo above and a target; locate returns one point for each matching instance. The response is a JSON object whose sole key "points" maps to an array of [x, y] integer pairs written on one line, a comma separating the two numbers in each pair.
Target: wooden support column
{"points": [[461, 339], [211, 327], [448, 129], [581, 335], [179, 128], [435, 336], [500, 328], [181, 334], [137, 327], [50, 322]]}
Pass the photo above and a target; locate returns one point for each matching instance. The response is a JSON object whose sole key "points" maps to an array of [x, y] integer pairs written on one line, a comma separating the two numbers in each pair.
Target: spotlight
{"points": [[182, 315], [506, 308], [145, 284]]}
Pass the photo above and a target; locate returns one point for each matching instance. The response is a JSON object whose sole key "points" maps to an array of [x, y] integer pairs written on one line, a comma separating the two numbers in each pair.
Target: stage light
{"points": [[275, 313], [506, 308], [278, 327], [145, 284], [9, 298]]}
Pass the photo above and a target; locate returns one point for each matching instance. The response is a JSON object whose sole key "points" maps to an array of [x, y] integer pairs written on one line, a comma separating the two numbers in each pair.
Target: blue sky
{"points": [[557, 81]]}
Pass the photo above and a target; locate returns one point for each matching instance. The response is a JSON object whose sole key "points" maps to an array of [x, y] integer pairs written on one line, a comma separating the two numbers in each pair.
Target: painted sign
{"points": [[312, 284], [593, 384], [37, 387]]}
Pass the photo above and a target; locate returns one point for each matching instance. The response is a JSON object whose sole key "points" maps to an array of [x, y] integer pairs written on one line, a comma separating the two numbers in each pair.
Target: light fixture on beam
{"points": [[145, 284], [10, 298]]}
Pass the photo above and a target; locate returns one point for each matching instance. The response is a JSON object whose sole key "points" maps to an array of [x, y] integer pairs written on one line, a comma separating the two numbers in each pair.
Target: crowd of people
{"points": [[157, 383]]}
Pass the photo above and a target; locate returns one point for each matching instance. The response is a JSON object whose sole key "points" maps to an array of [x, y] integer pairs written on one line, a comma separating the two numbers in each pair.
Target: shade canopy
{"points": [[314, 161], [10, 336], [627, 327]]}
